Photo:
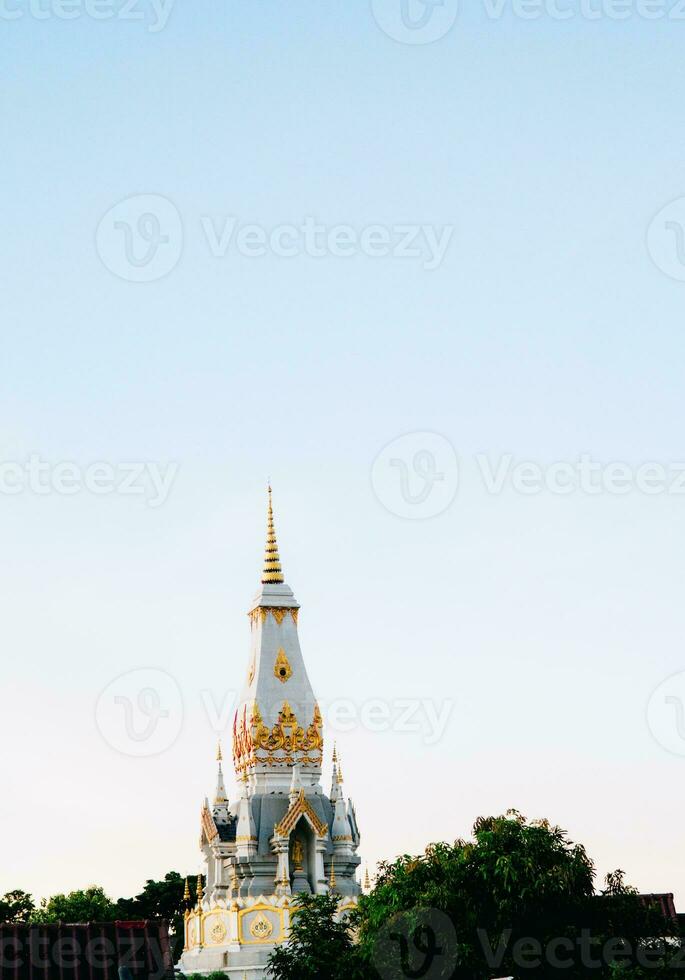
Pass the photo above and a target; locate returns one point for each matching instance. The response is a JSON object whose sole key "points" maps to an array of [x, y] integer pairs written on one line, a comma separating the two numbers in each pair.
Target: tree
{"points": [[85, 905], [161, 899], [16, 906], [516, 901], [319, 947]]}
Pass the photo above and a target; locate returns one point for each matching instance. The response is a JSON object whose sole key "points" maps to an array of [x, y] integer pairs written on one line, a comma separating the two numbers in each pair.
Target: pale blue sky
{"points": [[546, 332]]}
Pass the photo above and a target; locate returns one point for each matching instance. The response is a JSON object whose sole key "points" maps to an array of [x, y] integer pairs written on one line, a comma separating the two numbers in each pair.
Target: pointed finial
{"points": [[272, 573], [335, 753], [200, 890], [219, 754], [220, 796], [335, 791], [186, 892], [332, 880], [295, 783], [340, 773], [367, 880]]}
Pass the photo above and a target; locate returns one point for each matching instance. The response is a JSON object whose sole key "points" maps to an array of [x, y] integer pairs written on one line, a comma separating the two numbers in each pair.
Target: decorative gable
{"points": [[300, 808]]}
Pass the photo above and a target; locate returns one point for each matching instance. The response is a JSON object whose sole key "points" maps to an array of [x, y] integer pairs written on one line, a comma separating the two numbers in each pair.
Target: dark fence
{"points": [[86, 951]]}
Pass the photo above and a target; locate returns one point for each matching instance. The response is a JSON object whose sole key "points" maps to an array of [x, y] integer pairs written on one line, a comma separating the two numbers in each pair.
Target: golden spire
{"points": [[186, 892], [219, 755], [367, 880], [335, 752], [272, 573], [200, 890], [332, 881]]}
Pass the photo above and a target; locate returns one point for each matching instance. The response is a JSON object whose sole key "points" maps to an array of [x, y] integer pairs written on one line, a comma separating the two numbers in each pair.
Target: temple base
{"points": [[237, 963]]}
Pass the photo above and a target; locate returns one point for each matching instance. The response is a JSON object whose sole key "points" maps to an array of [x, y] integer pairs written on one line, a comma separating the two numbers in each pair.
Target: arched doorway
{"points": [[302, 859]]}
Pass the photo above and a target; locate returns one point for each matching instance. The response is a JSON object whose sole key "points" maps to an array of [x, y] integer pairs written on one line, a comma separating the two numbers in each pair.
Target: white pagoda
{"points": [[283, 836]]}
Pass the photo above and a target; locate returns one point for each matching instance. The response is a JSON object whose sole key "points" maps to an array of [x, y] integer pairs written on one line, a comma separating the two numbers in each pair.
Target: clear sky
{"points": [[546, 331]]}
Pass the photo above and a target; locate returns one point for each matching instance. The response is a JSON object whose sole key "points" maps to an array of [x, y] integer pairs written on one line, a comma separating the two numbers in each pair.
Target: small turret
{"points": [[335, 792], [246, 832], [220, 809], [341, 830]]}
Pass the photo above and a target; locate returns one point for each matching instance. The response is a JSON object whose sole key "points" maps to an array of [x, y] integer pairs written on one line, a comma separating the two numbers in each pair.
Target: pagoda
{"points": [[282, 836]]}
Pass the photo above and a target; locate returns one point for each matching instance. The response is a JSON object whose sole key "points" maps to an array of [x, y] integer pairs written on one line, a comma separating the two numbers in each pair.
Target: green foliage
{"points": [[461, 911], [161, 900], [319, 947], [158, 900], [497, 906], [87, 905], [216, 975], [16, 906]]}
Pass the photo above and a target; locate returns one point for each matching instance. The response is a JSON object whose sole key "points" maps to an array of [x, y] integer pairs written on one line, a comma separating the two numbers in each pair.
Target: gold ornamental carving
{"points": [[278, 612], [261, 928], [282, 669], [218, 932], [254, 742], [209, 828]]}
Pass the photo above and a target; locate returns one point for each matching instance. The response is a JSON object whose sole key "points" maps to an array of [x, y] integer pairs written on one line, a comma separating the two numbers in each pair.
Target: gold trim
{"points": [[209, 828], [278, 612]]}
